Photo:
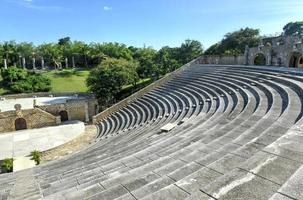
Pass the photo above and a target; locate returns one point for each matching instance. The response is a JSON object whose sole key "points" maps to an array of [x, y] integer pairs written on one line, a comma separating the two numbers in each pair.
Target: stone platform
{"points": [[21, 143]]}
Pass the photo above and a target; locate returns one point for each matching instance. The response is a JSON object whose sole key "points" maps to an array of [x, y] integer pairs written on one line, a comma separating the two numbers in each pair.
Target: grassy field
{"points": [[68, 80], [72, 81], [63, 81]]}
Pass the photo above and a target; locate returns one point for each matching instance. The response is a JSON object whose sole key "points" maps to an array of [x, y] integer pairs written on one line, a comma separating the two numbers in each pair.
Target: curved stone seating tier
{"points": [[238, 135]]}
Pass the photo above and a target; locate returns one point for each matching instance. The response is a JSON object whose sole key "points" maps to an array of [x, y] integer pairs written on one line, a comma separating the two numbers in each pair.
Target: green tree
{"points": [[10, 52], [64, 41], [13, 74], [52, 53], [190, 50], [235, 42], [116, 50], [146, 59], [167, 60], [293, 28], [107, 80], [25, 50]]}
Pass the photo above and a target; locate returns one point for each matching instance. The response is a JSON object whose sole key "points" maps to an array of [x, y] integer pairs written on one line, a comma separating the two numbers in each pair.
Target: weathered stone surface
{"points": [[246, 144]]}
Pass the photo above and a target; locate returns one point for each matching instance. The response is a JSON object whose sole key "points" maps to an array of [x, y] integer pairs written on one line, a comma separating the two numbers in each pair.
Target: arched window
{"points": [[260, 59], [20, 124]]}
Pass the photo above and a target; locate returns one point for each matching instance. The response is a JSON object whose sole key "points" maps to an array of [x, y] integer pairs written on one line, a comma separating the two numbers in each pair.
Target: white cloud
{"points": [[107, 8], [30, 4]]}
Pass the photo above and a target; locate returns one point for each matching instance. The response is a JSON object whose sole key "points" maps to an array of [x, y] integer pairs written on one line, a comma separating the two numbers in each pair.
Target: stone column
{"points": [[42, 63], [34, 63], [34, 103], [97, 109], [269, 58], [246, 54], [73, 62], [66, 63], [5, 64], [86, 112], [23, 63]]}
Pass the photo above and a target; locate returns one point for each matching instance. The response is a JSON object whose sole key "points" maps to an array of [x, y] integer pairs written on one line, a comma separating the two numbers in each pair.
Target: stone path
{"points": [[75, 145], [21, 143]]}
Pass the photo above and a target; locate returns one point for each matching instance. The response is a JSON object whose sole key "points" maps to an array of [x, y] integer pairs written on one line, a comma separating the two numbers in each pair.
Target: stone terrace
{"points": [[238, 135]]}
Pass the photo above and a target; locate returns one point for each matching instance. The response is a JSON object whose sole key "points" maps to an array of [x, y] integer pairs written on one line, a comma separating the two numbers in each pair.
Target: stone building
{"points": [[26, 119], [277, 51], [82, 109]]}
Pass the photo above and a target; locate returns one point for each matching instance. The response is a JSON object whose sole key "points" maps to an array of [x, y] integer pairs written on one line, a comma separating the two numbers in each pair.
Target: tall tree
{"points": [[293, 28], [64, 41], [145, 57], [52, 53], [234, 43], [107, 80], [190, 50]]}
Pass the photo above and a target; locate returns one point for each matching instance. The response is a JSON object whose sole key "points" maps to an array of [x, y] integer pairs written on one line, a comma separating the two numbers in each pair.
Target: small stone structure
{"points": [[277, 51], [82, 109], [26, 119]]}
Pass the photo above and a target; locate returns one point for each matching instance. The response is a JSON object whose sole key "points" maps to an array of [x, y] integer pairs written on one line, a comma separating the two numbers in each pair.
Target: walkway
{"points": [[21, 143]]}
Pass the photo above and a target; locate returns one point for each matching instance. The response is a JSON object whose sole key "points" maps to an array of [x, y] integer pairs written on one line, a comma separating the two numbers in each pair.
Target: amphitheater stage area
{"points": [[238, 135], [28, 103], [21, 143]]}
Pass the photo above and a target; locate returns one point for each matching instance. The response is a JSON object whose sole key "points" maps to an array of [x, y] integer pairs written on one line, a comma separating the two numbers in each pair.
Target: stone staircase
{"points": [[239, 136]]}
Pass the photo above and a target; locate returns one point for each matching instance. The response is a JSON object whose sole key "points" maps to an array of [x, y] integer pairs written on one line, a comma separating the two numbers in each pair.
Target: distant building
{"points": [[278, 51]]}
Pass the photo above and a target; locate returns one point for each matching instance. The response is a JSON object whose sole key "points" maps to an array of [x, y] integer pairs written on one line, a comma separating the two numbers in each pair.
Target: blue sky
{"points": [[153, 23]]}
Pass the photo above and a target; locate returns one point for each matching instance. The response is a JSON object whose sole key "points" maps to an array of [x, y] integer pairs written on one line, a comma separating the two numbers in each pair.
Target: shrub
{"points": [[13, 74], [36, 156], [20, 81], [8, 164], [32, 83]]}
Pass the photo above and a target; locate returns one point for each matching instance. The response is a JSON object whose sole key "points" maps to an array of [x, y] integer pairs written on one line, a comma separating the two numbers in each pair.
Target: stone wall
{"points": [[47, 94], [35, 118], [278, 51], [222, 60], [82, 110], [140, 93]]}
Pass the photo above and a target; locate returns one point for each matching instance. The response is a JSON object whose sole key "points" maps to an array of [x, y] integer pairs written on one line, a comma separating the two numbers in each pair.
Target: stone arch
{"points": [[296, 60], [64, 115], [260, 59], [20, 124]]}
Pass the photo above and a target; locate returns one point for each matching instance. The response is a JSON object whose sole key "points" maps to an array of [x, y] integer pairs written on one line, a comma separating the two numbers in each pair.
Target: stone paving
{"points": [[75, 145], [21, 143]]}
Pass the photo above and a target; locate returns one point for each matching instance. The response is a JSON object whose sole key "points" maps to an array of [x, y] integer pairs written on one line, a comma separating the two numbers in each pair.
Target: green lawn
{"points": [[72, 81], [68, 80]]}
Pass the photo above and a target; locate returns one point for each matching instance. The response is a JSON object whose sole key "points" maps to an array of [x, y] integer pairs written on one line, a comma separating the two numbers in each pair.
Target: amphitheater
{"points": [[202, 132]]}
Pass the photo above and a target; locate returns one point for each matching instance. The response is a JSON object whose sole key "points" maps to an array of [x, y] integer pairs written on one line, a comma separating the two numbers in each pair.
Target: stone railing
{"points": [[104, 114]]}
